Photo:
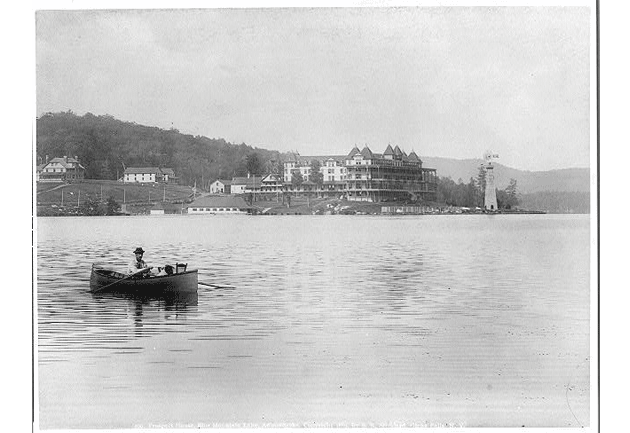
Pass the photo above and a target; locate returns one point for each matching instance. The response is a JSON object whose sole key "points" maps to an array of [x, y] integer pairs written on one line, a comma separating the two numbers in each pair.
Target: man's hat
{"points": [[139, 250]]}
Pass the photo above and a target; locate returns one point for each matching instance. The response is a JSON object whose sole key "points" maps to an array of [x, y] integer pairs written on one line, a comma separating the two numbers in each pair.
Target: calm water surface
{"points": [[328, 321]]}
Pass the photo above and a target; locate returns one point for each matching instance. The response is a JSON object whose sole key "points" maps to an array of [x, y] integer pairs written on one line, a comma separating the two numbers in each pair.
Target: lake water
{"points": [[327, 321]]}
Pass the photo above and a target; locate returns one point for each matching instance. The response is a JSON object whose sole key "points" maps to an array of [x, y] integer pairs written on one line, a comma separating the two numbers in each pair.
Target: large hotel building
{"points": [[363, 175]]}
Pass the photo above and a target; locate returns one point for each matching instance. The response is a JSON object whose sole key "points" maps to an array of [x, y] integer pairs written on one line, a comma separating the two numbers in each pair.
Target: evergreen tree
{"points": [[481, 185], [511, 191], [254, 165]]}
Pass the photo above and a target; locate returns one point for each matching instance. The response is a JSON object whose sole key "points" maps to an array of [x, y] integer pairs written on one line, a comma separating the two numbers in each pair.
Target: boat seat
{"points": [[180, 267]]}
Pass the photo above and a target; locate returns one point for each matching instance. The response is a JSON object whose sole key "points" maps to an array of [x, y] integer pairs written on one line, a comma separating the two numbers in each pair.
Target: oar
{"points": [[214, 285], [122, 279]]}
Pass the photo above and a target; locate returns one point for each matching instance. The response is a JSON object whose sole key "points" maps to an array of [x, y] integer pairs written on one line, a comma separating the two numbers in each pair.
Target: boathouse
{"points": [[218, 205]]}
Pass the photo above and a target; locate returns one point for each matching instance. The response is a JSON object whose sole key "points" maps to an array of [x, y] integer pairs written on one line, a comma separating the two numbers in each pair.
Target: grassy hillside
{"points": [[48, 194], [64, 199]]}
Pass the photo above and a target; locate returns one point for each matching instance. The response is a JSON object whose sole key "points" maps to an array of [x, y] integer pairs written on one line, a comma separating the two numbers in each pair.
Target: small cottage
{"points": [[221, 186]]}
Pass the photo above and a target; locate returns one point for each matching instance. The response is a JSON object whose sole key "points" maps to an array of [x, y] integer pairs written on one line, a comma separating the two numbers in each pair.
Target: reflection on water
{"points": [[318, 321]]}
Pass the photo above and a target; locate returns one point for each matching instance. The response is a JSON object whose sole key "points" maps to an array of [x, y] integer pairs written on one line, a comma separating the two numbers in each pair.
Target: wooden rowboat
{"points": [[182, 281]]}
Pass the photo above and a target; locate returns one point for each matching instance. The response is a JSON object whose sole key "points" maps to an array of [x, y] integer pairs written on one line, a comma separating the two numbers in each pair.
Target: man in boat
{"points": [[138, 264]]}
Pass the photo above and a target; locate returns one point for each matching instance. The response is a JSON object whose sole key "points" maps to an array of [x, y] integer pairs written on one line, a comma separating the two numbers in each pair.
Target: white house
{"points": [[221, 186], [60, 170], [332, 167], [334, 170], [271, 183], [242, 185], [167, 175], [147, 174]]}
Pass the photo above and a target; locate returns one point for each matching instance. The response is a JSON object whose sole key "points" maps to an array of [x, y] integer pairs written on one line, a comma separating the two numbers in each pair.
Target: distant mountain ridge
{"points": [[565, 180]]}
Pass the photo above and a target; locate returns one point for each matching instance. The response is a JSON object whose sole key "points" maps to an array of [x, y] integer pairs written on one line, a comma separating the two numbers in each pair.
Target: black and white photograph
{"points": [[365, 215]]}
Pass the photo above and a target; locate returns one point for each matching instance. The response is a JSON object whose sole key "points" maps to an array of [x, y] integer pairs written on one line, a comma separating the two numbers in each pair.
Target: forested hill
{"points": [[105, 146]]}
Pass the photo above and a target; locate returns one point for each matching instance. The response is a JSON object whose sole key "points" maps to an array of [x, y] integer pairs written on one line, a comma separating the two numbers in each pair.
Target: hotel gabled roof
{"points": [[388, 151], [353, 152], [367, 153]]}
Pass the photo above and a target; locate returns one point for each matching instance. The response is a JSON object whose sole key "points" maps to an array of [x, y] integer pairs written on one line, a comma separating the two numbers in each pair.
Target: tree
{"points": [[502, 199], [446, 191], [275, 166], [112, 207], [296, 178], [279, 168], [508, 198], [254, 164], [472, 193], [90, 206], [511, 191], [481, 185], [317, 177]]}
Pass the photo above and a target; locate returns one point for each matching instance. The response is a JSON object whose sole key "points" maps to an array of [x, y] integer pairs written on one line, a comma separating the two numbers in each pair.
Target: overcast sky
{"points": [[450, 82]]}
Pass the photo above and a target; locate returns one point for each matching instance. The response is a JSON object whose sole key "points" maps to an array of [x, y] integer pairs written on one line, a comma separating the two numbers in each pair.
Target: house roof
{"points": [[224, 181], [142, 170], [388, 150], [307, 159], [66, 162], [219, 201], [247, 181], [149, 170], [271, 178]]}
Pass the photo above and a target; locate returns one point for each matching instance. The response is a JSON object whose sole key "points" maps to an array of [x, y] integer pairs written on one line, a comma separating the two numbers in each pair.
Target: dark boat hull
{"points": [[183, 282]]}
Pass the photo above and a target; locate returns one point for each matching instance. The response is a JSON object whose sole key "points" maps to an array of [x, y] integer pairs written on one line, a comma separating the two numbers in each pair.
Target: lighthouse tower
{"points": [[490, 199]]}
